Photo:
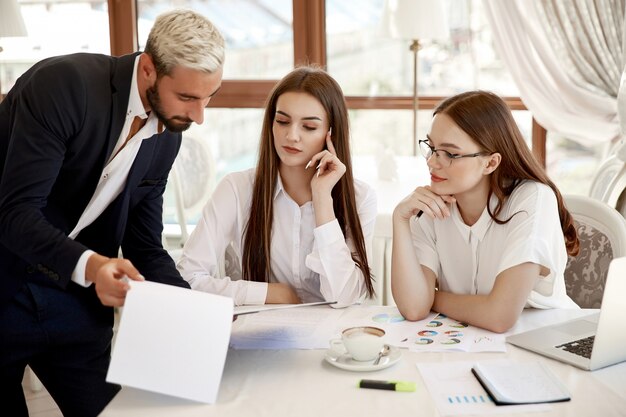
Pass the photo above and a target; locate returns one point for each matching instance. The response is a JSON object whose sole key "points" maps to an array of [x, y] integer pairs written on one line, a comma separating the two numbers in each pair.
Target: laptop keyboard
{"points": [[580, 347]]}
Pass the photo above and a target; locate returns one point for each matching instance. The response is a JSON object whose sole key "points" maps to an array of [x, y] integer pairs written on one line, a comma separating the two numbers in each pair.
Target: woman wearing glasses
{"points": [[490, 234]]}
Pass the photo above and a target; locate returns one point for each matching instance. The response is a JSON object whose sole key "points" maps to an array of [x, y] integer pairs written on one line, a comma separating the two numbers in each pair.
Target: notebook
{"points": [[590, 342], [172, 341], [509, 382]]}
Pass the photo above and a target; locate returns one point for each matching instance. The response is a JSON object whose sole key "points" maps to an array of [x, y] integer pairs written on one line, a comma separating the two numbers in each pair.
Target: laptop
{"points": [[590, 342]]}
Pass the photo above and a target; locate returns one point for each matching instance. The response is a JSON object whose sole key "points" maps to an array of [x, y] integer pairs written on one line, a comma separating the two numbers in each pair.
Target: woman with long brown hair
{"points": [[490, 234], [300, 223]]}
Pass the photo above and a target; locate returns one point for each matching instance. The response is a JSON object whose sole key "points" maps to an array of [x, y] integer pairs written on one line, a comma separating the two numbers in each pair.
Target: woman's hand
{"points": [[329, 169], [279, 293], [425, 200]]}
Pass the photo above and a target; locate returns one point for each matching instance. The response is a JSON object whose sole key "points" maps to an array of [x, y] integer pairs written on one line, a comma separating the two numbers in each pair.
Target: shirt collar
{"points": [[279, 186], [280, 190], [478, 229], [135, 106]]}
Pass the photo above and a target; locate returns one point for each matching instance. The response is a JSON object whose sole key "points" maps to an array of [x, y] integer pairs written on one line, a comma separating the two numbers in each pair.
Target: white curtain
{"points": [[556, 77]]}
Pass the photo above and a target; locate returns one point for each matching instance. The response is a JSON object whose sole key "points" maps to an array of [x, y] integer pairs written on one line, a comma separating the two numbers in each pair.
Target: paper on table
{"points": [[457, 392], [172, 341], [436, 333], [442, 333], [307, 328], [387, 318], [239, 310]]}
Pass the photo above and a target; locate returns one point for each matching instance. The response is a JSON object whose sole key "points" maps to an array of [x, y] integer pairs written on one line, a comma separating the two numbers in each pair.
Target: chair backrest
{"points": [[609, 182], [602, 233], [193, 180]]}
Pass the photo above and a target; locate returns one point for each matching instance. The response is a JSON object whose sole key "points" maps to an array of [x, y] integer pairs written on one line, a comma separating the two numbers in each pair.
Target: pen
{"points": [[401, 386]]}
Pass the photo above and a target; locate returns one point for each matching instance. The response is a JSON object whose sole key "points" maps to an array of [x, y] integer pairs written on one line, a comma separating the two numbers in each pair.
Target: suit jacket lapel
{"points": [[142, 162], [121, 78]]}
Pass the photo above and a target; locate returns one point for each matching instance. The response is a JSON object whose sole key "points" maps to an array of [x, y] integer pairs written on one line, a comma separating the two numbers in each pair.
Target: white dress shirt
{"points": [[467, 259], [114, 175], [315, 261]]}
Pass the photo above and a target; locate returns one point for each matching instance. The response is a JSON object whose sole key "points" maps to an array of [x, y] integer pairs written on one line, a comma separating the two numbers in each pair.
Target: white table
{"points": [[300, 383]]}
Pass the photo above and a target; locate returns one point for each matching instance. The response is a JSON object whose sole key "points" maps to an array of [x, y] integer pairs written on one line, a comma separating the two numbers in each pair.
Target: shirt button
{"points": [[105, 176]]}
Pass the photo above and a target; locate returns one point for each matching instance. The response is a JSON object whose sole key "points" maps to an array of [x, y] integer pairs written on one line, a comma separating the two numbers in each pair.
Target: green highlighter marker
{"points": [[401, 386]]}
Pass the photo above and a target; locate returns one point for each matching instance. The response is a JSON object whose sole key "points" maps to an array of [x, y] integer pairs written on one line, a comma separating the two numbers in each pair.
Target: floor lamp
{"points": [[415, 20], [11, 23]]}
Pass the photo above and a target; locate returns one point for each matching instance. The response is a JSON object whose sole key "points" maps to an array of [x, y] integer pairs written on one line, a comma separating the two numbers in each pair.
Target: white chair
{"points": [[192, 181], [609, 182], [602, 234]]}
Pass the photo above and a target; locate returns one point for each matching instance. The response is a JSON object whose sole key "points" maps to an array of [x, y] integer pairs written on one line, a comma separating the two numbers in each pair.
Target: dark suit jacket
{"points": [[58, 127]]}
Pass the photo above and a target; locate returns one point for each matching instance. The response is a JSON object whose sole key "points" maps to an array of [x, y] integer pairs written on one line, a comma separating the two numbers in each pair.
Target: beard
{"points": [[174, 124]]}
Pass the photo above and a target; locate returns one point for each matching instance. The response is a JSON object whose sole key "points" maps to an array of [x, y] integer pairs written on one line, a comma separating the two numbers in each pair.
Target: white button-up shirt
{"points": [[467, 259], [315, 261], [113, 177]]}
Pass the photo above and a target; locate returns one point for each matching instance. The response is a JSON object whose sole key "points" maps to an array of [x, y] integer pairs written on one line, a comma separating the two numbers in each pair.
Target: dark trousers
{"points": [[65, 337]]}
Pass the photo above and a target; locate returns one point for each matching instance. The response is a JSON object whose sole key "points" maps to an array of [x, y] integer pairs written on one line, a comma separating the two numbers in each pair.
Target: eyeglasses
{"points": [[445, 158]]}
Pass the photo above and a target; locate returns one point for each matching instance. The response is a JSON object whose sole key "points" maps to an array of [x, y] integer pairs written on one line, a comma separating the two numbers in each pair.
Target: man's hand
{"points": [[107, 275]]}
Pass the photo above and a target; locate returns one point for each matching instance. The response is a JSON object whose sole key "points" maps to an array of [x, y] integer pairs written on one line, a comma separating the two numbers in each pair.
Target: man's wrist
{"points": [[94, 263]]}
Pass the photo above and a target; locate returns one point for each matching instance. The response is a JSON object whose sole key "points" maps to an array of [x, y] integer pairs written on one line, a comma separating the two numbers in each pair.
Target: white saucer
{"points": [[345, 361]]}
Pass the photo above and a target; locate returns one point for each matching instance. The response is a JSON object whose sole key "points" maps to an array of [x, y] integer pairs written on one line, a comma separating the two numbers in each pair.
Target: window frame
{"points": [[309, 43]]}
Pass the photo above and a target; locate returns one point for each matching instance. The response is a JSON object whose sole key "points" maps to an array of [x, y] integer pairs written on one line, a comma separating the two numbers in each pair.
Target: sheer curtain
{"points": [[567, 58]]}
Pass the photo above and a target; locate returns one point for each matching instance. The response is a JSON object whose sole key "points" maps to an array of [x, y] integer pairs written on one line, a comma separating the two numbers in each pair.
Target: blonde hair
{"points": [[185, 38]]}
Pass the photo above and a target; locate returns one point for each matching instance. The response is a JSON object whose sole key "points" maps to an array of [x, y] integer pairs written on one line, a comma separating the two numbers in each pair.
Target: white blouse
{"points": [[315, 261], [467, 259]]}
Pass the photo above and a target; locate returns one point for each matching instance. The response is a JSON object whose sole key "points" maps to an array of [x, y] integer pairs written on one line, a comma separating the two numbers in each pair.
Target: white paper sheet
{"points": [[298, 328], [312, 327], [172, 341]]}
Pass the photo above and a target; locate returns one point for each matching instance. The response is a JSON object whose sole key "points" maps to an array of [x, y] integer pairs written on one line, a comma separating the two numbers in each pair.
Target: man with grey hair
{"points": [[86, 145]]}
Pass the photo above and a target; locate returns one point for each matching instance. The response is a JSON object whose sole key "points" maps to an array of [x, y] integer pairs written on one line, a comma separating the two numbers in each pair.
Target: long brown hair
{"points": [[258, 232], [486, 118]]}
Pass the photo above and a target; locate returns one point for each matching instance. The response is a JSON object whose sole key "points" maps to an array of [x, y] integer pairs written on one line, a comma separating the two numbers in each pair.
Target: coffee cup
{"points": [[362, 343]]}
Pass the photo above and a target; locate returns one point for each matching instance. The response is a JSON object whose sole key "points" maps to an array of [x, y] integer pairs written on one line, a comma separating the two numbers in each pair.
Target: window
{"points": [[266, 38], [369, 64], [258, 34], [366, 61], [55, 27]]}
